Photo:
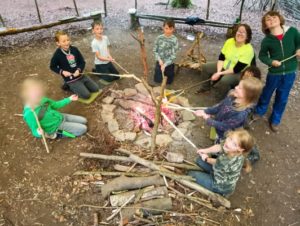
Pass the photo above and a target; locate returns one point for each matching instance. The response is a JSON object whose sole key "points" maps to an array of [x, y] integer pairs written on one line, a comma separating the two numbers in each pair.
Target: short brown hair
{"points": [[245, 140], [169, 22], [255, 71], [264, 28], [97, 23], [248, 30], [58, 34]]}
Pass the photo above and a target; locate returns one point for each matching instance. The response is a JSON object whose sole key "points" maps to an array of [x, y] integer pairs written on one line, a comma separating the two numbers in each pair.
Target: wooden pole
{"points": [[38, 10], [105, 8], [135, 4], [158, 113], [241, 10], [39, 126], [207, 9], [75, 6]]}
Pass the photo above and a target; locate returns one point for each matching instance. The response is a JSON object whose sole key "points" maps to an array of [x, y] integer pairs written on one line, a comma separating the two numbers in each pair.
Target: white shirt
{"points": [[101, 46]]}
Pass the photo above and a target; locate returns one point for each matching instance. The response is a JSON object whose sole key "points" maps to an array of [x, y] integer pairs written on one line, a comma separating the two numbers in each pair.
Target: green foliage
{"points": [[181, 3]]}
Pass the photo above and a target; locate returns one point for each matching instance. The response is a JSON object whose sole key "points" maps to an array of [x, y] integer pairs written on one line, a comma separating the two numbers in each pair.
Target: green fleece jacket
{"points": [[274, 49], [52, 118]]}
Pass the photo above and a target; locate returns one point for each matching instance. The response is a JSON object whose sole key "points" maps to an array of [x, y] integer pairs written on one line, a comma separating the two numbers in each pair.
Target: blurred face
{"points": [[272, 21], [64, 42], [239, 91], [168, 31], [98, 30], [241, 35], [35, 93], [232, 145]]}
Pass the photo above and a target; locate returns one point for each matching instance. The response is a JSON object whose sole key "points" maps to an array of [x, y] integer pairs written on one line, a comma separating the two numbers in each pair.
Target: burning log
{"points": [[145, 194], [127, 183]]}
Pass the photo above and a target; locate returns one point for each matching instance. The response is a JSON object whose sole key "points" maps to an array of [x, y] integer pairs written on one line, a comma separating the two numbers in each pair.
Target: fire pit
{"points": [[130, 115]]}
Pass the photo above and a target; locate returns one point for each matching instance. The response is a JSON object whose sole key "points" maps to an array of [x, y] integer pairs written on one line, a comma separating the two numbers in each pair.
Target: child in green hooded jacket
{"points": [[45, 109]]}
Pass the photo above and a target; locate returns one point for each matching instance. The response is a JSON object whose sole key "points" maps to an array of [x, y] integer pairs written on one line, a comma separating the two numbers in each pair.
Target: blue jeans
{"points": [[205, 179], [74, 124], [281, 85]]}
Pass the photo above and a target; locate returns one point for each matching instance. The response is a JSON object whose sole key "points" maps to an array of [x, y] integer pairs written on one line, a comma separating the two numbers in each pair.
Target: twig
{"points": [[120, 208], [116, 75], [19, 115], [286, 59], [116, 63]]}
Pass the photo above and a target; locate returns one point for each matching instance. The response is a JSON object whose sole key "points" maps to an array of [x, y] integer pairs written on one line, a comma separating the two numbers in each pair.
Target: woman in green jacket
{"points": [[45, 109], [279, 50]]}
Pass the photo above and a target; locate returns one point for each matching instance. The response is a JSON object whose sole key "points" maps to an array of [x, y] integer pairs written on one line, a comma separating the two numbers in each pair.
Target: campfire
{"points": [[130, 116]]}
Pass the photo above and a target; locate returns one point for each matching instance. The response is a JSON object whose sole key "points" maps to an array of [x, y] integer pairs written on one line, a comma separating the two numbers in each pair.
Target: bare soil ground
{"points": [[38, 189]]}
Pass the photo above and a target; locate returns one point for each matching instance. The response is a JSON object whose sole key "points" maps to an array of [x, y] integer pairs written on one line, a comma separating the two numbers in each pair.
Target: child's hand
{"points": [[298, 53], [206, 116], [199, 113], [201, 151], [73, 97], [40, 131], [66, 74], [111, 59], [162, 68], [160, 62], [204, 157], [76, 73], [276, 63], [216, 76]]}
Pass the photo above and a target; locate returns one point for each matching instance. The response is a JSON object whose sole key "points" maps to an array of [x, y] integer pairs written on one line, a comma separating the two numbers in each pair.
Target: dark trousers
{"points": [[169, 72], [281, 85], [108, 68], [84, 87]]}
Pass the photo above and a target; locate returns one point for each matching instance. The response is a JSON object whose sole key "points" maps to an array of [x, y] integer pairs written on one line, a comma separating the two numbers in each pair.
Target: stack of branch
{"points": [[194, 58], [148, 188]]}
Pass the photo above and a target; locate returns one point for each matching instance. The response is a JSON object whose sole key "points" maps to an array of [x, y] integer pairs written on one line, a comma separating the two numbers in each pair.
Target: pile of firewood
{"points": [[145, 189]]}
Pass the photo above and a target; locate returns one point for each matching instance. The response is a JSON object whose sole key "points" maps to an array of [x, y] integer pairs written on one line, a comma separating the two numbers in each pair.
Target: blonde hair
{"points": [[252, 87], [58, 34], [244, 139], [30, 83]]}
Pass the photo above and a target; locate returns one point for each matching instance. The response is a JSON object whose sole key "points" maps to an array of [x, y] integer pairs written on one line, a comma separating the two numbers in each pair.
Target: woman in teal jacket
{"points": [[279, 50]]}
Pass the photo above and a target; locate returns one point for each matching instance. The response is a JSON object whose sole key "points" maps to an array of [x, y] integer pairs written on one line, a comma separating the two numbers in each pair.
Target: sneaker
{"points": [[274, 128], [52, 136]]}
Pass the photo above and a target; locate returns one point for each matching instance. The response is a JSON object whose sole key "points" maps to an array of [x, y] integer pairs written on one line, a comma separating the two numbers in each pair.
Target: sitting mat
{"points": [[91, 99], [213, 133]]}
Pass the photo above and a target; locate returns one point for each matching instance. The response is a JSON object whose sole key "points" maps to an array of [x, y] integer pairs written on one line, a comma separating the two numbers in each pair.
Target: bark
{"points": [[127, 183]]}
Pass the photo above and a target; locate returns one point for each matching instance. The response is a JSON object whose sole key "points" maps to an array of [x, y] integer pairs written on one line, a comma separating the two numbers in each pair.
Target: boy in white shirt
{"points": [[103, 59]]}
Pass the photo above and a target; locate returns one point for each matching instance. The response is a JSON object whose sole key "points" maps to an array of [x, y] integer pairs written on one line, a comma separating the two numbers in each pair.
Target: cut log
{"points": [[151, 207], [147, 193], [216, 198], [126, 159], [127, 183], [107, 173]]}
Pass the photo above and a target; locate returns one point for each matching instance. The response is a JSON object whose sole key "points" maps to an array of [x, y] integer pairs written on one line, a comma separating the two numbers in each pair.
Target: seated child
{"points": [[251, 71], [165, 49], [232, 112], [51, 120], [221, 174], [69, 63], [103, 58]]}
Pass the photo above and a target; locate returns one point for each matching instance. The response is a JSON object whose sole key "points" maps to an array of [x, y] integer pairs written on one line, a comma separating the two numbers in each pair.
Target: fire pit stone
{"points": [[128, 92], [108, 107], [188, 116], [163, 139], [185, 125], [141, 89], [143, 141], [108, 100], [176, 136], [107, 116], [182, 101], [121, 135], [113, 125]]}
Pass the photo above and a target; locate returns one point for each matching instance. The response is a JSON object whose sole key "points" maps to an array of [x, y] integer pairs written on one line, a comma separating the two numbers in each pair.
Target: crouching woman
{"points": [[222, 173]]}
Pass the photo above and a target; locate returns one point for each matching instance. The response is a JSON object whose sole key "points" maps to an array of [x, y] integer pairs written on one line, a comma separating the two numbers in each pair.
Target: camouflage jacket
{"points": [[165, 49], [226, 172]]}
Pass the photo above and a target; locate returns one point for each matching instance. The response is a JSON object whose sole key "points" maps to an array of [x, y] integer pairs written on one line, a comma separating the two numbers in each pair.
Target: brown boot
{"points": [[274, 128]]}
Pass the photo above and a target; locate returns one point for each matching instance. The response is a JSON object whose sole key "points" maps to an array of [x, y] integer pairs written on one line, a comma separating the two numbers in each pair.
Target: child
{"points": [[281, 42], [221, 174], [46, 110], [251, 71], [165, 48], [232, 112], [69, 63], [103, 58]]}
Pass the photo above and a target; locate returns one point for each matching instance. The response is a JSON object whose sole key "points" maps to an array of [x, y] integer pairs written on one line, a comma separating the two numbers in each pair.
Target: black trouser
{"points": [[84, 87], [108, 68], [169, 72]]}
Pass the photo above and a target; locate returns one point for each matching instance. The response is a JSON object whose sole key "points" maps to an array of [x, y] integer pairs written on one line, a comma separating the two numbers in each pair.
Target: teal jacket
{"points": [[52, 118], [274, 49]]}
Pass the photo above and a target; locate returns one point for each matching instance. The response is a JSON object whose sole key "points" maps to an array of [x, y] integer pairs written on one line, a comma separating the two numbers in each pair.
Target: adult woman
{"points": [[236, 54]]}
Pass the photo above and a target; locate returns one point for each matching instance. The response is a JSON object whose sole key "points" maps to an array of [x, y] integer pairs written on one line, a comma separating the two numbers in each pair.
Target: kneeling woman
{"points": [[236, 54], [221, 174]]}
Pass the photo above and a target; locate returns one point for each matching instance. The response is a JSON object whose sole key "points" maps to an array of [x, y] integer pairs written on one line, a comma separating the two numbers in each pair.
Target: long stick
{"points": [[39, 126], [115, 75], [286, 59], [122, 68], [190, 87], [75, 6], [38, 10], [120, 208]]}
